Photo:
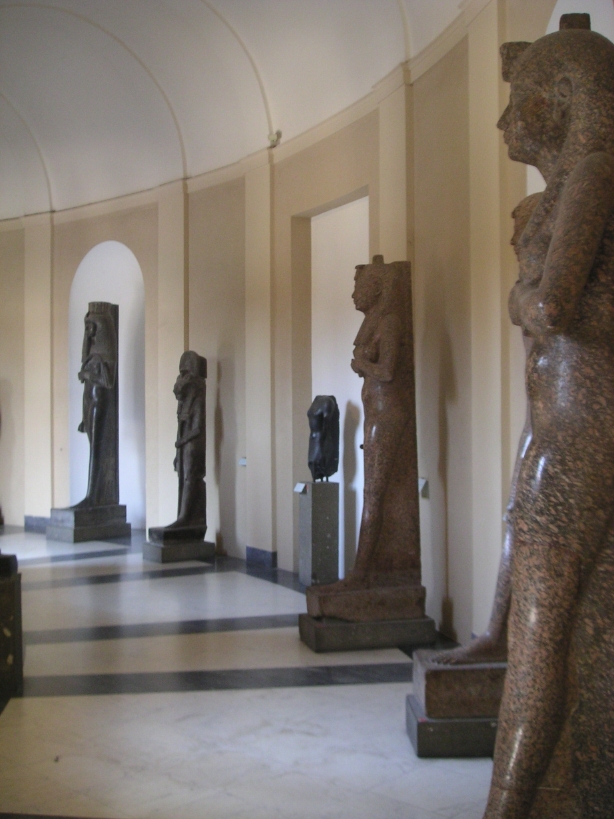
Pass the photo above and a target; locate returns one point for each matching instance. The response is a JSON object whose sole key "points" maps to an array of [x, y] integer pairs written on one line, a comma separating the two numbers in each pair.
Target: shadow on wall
{"points": [[225, 467], [351, 419], [447, 394]]}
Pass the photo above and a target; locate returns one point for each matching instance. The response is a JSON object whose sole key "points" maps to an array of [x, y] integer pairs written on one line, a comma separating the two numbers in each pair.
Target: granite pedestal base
{"points": [[453, 710], [11, 640], [318, 526], [331, 634], [462, 737], [175, 544], [78, 524]]}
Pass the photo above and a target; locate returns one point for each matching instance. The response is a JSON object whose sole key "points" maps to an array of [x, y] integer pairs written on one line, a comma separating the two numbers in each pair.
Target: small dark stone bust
{"points": [[323, 417]]}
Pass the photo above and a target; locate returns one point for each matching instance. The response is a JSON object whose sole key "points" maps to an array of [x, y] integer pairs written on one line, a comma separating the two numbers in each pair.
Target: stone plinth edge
{"points": [[330, 634]]}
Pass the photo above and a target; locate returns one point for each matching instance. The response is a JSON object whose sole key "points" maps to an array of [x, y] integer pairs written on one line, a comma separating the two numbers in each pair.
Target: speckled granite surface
{"points": [[385, 582], [555, 746]]}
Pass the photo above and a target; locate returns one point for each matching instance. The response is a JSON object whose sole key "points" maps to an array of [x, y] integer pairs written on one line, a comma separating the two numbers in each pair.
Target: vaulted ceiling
{"points": [[100, 98]]}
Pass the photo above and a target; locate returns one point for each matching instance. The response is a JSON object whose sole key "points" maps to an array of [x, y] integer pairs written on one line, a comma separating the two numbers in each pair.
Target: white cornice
{"points": [[229, 172], [95, 209], [429, 56], [7, 225], [471, 8]]}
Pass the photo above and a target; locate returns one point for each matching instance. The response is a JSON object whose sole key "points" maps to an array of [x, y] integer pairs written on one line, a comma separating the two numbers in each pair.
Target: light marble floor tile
{"points": [[290, 752], [266, 648], [207, 596], [329, 752]]}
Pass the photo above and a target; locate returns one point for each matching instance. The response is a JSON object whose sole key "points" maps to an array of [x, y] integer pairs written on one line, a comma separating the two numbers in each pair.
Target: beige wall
{"points": [[12, 261], [217, 331], [442, 288]]}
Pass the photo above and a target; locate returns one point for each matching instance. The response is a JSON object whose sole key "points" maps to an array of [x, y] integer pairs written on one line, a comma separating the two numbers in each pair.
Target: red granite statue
{"points": [[555, 746]]}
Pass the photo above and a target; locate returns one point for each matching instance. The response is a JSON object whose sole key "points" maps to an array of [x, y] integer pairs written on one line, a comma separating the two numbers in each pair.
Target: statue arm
{"points": [[195, 427], [389, 342], [587, 202]]}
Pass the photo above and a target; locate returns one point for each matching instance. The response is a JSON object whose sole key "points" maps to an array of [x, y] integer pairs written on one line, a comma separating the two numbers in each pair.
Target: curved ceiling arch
{"points": [[252, 61], [38, 149], [122, 44], [119, 97]]}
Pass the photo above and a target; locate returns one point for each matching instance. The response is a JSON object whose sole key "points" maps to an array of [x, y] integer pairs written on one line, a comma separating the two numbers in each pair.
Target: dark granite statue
{"points": [[385, 582], [99, 515], [323, 417], [191, 390], [554, 755], [100, 404], [185, 538]]}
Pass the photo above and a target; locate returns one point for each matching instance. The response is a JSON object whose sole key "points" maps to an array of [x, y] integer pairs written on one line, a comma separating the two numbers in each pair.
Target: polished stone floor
{"points": [[183, 692]]}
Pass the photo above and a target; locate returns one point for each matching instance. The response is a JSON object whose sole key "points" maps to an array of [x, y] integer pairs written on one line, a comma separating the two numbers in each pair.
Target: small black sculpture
{"points": [[323, 417]]}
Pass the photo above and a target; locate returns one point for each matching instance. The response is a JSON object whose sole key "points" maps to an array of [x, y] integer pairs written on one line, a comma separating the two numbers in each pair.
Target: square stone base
{"points": [[462, 737], [330, 634], [178, 551], [458, 691], [76, 525]]}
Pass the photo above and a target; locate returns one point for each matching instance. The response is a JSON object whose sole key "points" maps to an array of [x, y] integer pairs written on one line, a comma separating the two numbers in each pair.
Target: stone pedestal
{"points": [[168, 544], [453, 710], [11, 651], [331, 634], [77, 524], [318, 533]]}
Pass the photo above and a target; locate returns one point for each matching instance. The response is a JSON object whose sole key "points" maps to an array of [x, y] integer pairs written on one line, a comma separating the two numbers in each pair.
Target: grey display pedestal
{"points": [[174, 545], [318, 505], [11, 641], [330, 634], [78, 524], [453, 710]]}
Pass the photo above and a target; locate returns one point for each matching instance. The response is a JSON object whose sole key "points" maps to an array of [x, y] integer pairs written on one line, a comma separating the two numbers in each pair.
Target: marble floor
{"points": [[183, 692]]}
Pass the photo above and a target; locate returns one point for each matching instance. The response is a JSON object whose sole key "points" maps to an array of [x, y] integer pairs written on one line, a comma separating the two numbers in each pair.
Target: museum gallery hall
{"points": [[262, 388]]}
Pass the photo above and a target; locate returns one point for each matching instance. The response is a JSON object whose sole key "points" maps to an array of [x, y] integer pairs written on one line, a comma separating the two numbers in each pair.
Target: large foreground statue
{"points": [[555, 746]]}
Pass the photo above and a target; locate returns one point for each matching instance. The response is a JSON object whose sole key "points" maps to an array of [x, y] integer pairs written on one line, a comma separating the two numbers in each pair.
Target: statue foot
{"points": [[483, 649]]}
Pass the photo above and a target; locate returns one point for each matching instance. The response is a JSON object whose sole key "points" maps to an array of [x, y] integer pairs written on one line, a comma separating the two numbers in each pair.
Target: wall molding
{"points": [[437, 50], [471, 8]]}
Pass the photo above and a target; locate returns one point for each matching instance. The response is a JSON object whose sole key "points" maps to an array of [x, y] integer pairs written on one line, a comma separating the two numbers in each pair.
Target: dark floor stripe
{"points": [[116, 577], [122, 632], [220, 564], [235, 680], [68, 558]]}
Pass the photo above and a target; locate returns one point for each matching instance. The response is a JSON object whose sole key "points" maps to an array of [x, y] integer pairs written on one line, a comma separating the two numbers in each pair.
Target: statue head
{"points": [[100, 332], [191, 363], [561, 96]]}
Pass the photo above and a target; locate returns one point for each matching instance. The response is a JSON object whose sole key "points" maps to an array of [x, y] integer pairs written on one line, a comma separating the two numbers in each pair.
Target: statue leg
{"points": [[545, 589], [380, 454]]}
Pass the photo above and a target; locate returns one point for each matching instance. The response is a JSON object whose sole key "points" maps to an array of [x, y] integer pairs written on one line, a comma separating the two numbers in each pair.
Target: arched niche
{"points": [[110, 272]]}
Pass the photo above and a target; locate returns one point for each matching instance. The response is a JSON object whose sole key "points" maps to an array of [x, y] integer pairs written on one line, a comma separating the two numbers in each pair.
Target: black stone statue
{"points": [[185, 538], [98, 374], [323, 417], [99, 515], [190, 390]]}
